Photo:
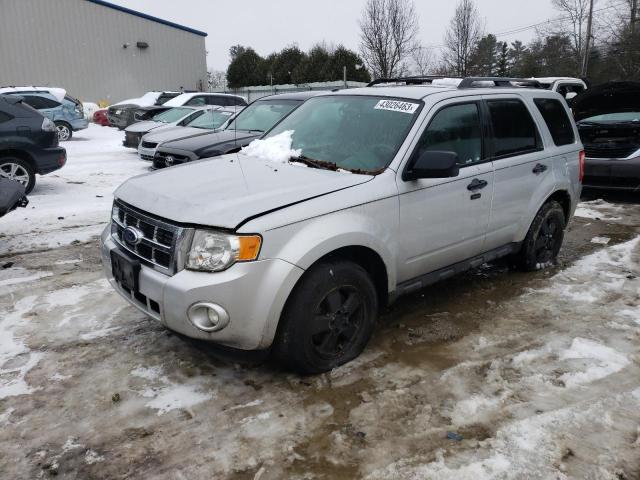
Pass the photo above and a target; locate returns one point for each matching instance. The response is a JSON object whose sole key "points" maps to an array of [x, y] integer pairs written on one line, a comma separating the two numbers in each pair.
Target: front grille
{"points": [[132, 139], [149, 145], [148, 158], [160, 239], [163, 159], [606, 151]]}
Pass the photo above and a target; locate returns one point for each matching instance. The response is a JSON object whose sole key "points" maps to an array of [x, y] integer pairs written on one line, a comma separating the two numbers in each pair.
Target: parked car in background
{"points": [[121, 114], [54, 103], [28, 142], [172, 117], [200, 99], [568, 87], [212, 119], [248, 125], [404, 186], [608, 117], [12, 196], [100, 117]]}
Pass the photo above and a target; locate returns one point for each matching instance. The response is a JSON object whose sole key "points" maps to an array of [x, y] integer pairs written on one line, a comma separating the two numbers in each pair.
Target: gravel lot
{"points": [[494, 374]]}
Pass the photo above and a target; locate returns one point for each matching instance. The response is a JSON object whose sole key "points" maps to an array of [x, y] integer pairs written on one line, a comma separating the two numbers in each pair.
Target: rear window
{"points": [[557, 120], [514, 131]]}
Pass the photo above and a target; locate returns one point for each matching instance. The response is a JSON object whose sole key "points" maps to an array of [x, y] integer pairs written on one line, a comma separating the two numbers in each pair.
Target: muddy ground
{"points": [[494, 374]]}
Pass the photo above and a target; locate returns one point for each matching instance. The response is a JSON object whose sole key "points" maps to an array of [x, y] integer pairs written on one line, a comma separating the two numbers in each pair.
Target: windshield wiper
{"points": [[311, 162]]}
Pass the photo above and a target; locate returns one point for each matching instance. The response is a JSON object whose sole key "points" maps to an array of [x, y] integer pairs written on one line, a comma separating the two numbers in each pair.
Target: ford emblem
{"points": [[132, 236]]}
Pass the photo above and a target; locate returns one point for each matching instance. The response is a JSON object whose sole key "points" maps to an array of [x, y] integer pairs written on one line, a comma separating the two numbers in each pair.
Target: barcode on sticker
{"points": [[396, 106]]}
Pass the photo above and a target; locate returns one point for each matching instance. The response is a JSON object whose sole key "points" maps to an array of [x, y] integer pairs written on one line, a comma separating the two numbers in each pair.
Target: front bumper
{"points": [[252, 293], [614, 174], [132, 139], [146, 153], [79, 124]]}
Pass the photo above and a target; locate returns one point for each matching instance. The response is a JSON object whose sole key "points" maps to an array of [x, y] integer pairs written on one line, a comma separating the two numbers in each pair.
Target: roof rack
{"points": [[470, 82], [415, 80]]}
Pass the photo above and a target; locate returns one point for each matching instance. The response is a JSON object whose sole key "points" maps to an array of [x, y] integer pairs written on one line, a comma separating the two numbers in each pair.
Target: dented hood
{"points": [[225, 191], [613, 97]]}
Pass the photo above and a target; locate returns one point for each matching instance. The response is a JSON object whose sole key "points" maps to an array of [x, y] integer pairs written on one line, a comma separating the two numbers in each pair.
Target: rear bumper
{"points": [[50, 159], [613, 174]]}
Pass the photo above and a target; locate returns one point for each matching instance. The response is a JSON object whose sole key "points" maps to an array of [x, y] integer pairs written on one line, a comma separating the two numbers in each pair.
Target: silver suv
{"points": [[356, 198]]}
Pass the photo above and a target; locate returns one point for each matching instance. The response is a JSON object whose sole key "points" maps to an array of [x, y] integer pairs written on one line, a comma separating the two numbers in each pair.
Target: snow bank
{"points": [[601, 361], [275, 149]]}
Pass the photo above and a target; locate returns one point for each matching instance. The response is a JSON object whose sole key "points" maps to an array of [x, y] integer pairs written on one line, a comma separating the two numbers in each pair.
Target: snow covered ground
{"points": [[492, 375]]}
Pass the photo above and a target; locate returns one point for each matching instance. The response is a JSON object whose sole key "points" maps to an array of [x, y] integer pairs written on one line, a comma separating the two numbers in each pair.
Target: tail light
{"points": [[581, 166]]}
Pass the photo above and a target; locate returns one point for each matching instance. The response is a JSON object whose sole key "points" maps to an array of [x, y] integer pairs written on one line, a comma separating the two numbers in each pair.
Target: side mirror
{"points": [[433, 164]]}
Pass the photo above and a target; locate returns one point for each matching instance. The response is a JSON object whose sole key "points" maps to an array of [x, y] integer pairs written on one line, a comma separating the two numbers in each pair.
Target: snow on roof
{"points": [[185, 97], [148, 17], [58, 93]]}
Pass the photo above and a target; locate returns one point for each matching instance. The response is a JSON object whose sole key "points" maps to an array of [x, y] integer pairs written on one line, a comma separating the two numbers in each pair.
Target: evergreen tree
{"points": [[503, 60], [247, 68]]}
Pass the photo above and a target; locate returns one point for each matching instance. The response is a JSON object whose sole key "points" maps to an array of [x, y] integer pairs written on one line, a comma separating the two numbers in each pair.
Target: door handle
{"points": [[477, 185], [539, 168]]}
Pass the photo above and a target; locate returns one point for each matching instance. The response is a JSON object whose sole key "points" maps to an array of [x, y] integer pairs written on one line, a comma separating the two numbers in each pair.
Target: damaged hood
{"points": [[225, 191], [210, 139], [613, 97]]}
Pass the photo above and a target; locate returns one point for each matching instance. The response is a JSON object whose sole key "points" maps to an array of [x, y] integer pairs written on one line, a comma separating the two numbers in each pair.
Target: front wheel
{"points": [[19, 170], [64, 131], [544, 239], [329, 318]]}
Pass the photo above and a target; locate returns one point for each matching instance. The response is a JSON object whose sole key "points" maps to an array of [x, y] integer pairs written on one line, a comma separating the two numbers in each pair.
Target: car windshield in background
{"points": [[613, 118], [359, 133], [165, 97], [262, 115], [172, 115], [210, 120]]}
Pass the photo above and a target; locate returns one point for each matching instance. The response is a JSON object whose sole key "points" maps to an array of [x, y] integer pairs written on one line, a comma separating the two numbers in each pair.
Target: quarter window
{"points": [[5, 117], [557, 120], [455, 129], [514, 131]]}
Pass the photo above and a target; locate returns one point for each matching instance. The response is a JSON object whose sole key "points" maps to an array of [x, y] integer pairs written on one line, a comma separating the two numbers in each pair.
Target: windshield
{"points": [[165, 97], [262, 115], [210, 120], [353, 132], [615, 117], [172, 115]]}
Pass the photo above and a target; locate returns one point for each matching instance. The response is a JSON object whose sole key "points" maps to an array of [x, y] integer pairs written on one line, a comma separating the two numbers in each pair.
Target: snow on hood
{"points": [[612, 97], [147, 100], [224, 191], [275, 149]]}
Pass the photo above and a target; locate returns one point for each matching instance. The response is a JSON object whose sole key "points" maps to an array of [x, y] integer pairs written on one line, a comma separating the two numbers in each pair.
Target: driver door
{"points": [[444, 221]]}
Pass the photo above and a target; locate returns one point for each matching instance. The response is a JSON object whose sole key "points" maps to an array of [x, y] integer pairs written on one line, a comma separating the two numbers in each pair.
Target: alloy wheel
{"points": [[547, 242], [63, 132], [16, 172]]}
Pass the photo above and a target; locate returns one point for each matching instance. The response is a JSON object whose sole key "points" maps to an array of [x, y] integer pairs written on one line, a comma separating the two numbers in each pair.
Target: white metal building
{"points": [[97, 50]]}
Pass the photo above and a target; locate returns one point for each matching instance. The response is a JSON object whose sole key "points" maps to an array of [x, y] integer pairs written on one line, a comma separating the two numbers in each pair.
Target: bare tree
{"points": [[216, 80], [574, 23], [388, 29], [464, 32], [422, 60]]}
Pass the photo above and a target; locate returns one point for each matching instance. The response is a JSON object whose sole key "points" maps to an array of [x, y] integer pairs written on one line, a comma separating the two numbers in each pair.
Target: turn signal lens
{"points": [[581, 166], [249, 248]]}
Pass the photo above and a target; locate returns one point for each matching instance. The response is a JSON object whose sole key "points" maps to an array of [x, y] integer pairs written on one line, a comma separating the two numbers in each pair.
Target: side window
{"points": [[239, 102], [5, 117], [49, 103], [455, 129], [557, 120], [196, 102], [514, 131], [221, 101]]}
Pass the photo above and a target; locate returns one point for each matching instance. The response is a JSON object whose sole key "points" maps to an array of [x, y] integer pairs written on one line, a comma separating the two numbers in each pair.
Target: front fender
{"points": [[373, 226]]}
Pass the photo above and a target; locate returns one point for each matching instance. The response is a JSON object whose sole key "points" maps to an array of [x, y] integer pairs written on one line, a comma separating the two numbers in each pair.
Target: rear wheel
{"points": [[19, 170], [544, 239], [64, 131], [329, 318]]}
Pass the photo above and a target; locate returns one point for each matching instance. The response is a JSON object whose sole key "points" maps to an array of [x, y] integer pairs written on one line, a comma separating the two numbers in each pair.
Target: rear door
{"points": [[521, 166], [444, 221]]}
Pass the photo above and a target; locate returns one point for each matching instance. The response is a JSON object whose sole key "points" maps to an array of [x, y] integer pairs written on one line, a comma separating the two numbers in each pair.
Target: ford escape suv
{"points": [[355, 198]]}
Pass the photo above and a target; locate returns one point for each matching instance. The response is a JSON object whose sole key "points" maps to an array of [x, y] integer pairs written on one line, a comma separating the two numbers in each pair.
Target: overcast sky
{"points": [[269, 26]]}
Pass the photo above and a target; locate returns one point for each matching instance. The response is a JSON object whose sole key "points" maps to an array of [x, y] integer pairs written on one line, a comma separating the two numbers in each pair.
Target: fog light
{"points": [[208, 317]]}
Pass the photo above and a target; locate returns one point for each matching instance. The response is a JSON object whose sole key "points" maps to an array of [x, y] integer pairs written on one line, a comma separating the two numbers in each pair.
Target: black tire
{"points": [[328, 319], [18, 169], [544, 238], [65, 132]]}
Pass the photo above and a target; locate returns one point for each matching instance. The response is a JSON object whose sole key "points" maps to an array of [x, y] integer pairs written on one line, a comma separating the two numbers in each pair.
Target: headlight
{"points": [[216, 251], [48, 125]]}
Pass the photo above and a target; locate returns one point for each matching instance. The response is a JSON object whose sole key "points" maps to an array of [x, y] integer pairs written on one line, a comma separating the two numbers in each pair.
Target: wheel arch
{"points": [[22, 154]]}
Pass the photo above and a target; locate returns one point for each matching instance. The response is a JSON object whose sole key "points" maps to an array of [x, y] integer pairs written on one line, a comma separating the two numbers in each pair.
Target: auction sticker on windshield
{"points": [[397, 106]]}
